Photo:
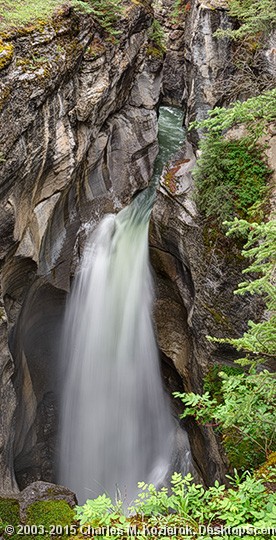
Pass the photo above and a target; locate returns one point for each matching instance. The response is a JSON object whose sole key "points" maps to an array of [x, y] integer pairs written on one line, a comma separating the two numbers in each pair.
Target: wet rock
{"points": [[44, 491]]}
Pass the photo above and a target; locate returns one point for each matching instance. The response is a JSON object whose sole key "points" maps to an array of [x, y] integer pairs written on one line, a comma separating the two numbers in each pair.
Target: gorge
{"points": [[79, 139]]}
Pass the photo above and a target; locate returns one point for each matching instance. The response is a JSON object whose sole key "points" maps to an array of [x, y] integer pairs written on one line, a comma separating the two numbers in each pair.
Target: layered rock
{"points": [[79, 138], [197, 270], [195, 59]]}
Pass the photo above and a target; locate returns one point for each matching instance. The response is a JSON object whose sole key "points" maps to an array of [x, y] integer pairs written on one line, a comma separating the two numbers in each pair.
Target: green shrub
{"points": [[258, 344], [179, 512], [231, 175], [255, 113], [230, 178], [106, 12], [255, 17], [212, 381], [244, 416]]}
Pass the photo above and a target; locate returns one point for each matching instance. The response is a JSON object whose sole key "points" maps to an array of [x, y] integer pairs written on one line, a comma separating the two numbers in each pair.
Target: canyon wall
{"points": [[198, 268], [78, 139]]}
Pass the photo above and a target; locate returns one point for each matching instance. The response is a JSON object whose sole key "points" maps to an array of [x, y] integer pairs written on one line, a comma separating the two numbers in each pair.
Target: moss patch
{"points": [[49, 513], [6, 54], [9, 515], [9, 511]]}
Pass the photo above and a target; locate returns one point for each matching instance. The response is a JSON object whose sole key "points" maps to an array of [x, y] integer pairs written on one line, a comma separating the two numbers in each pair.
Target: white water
{"points": [[116, 424]]}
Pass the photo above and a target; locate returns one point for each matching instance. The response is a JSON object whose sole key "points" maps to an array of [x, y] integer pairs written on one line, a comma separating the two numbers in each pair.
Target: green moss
{"points": [[49, 513], [154, 52], [9, 511], [6, 54], [9, 515], [217, 315]]}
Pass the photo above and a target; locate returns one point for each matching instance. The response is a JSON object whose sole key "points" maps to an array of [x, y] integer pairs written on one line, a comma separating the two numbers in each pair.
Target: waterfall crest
{"points": [[116, 427]]}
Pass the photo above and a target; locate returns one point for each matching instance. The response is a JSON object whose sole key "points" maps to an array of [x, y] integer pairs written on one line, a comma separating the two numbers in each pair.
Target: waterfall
{"points": [[116, 422], [116, 425]]}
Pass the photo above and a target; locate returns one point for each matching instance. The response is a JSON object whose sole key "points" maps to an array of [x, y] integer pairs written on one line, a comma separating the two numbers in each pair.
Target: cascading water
{"points": [[116, 426]]}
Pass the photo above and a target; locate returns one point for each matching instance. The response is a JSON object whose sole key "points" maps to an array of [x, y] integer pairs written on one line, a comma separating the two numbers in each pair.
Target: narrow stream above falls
{"points": [[116, 425]]}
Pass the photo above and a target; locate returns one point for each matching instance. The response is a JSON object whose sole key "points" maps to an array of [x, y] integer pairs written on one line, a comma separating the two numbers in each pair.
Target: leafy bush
{"points": [[106, 12], [213, 382], [255, 113], [245, 417], [182, 510], [255, 17]]}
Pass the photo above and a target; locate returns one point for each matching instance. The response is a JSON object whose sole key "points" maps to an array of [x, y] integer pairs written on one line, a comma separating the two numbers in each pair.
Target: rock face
{"points": [[196, 59], [196, 272], [78, 138]]}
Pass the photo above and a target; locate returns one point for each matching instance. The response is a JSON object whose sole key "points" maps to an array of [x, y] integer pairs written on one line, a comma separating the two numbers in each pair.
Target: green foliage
{"points": [[213, 382], [187, 505], [100, 512], [245, 417], [231, 175], [230, 178], [255, 113], [180, 8], [258, 344], [106, 12], [157, 37], [244, 412], [255, 17]]}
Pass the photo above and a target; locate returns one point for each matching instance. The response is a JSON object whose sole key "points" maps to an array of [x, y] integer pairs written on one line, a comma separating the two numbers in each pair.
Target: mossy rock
{"points": [[155, 52], [47, 513]]}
